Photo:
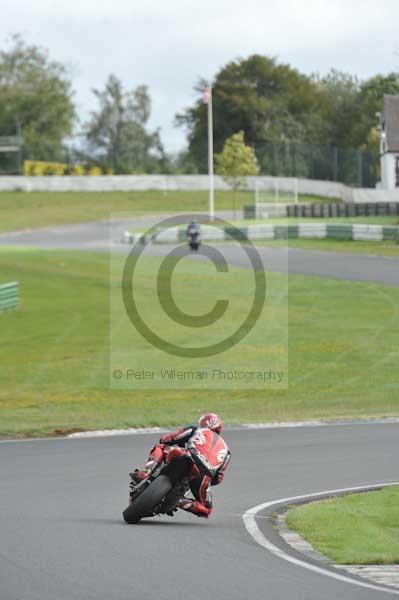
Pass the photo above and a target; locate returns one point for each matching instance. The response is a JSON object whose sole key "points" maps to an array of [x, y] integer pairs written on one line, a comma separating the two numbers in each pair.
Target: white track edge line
{"points": [[249, 518]]}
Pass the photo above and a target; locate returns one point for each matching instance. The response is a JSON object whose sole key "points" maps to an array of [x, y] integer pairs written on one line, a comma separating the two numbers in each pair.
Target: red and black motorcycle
{"points": [[205, 454]]}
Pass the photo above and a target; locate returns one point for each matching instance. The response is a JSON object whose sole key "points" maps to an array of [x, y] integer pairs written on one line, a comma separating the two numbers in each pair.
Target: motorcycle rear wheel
{"points": [[144, 505]]}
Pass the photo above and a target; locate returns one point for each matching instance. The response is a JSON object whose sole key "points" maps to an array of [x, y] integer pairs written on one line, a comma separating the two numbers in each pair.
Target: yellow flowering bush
{"points": [[78, 170], [40, 167], [95, 171]]}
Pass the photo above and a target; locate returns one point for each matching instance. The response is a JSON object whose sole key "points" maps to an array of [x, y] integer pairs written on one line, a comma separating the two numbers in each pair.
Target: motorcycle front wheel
{"points": [[144, 505]]}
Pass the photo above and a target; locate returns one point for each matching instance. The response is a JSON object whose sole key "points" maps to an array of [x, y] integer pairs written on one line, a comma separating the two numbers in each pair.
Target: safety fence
{"points": [[351, 166], [372, 233], [9, 295]]}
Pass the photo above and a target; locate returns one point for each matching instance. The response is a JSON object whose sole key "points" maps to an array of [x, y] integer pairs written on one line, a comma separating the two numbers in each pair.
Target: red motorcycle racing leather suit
{"points": [[200, 487]]}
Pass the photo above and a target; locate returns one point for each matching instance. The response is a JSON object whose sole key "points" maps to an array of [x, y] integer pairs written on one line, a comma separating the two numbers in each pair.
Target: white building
{"points": [[389, 144]]}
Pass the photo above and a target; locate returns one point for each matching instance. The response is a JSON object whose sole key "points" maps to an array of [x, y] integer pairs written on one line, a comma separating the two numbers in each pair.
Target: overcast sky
{"points": [[168, 44]]}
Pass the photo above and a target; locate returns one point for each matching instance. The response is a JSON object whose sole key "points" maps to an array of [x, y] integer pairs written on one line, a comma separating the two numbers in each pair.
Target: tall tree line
{"points": [[277, 107], [274, 104]]}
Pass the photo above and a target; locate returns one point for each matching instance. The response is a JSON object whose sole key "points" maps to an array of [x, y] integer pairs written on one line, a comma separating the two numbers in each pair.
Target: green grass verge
{"points": [[25, 210], [196, 286], [54, 354], [355, 529], [387, 249]]}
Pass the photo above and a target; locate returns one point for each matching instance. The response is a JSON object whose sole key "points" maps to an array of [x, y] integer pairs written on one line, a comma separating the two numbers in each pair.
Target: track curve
{"points": [[103, 235], [63, 536]]}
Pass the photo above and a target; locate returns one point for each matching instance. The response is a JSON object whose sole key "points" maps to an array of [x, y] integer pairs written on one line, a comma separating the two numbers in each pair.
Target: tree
{"points": [[117, 131], [236, 162], [35, 99], [349, 106], [339, 93], [297, 125], [349, 116], [268, 101], [370, 102]]}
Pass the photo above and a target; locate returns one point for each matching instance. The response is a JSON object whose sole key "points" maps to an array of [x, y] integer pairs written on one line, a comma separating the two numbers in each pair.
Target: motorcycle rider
{"points": [[193, 234], [201, 504]]}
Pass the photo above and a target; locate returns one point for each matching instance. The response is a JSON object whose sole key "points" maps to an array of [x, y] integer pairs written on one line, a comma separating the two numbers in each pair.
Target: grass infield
{"points": [[54, 354], [384, 248], [355, 529], [22, 210]]}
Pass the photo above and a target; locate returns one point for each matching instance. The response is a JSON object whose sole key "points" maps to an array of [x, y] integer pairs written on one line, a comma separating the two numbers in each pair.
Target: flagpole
{"points": [[210, 157]]}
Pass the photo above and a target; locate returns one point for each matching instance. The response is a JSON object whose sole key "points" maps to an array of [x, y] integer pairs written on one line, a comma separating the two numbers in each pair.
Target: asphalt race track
{"points": [[63, 538], [98, 235]]}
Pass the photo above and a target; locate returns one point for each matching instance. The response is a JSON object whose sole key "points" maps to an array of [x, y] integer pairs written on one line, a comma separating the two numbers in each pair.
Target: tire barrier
{"points": [[324, 211]]}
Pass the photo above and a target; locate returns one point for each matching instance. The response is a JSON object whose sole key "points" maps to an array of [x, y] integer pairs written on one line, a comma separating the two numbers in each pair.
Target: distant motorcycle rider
{"points": [[201, 504], [193, 234]]}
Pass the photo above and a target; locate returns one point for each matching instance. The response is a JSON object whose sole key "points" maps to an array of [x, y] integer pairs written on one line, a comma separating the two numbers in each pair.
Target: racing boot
{"points": [[194, 507]]}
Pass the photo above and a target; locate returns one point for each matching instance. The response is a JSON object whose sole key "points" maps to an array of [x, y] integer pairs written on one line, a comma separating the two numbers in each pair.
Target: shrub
{"points": [[39, 168], [78, 170], [95, 171]]}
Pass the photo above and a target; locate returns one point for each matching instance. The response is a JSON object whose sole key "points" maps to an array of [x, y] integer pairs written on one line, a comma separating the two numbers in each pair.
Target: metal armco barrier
{"points": [[9, 295], [333, 231]]}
